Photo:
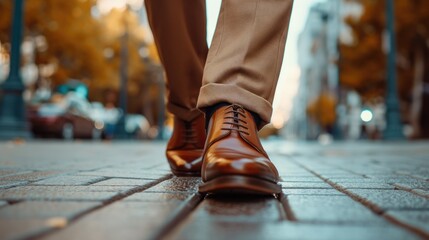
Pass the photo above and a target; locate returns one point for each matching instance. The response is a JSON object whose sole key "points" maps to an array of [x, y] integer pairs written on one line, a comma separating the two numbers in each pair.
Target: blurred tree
{"points": [[73, 40], [75, 44], [365, 55], [363, 65], [322, 110]]}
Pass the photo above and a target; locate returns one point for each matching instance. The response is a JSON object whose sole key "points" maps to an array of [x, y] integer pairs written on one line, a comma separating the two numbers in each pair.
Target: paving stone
{"points": [[285, 231], [6, 172], [121, 220], [123, 182], [146, 174], [310, 185], [340, 174], [32, 176], [311, 191], [414, 185], [325, 169], [343, 178], [46, 193], [419, 177], [161, 168], [239, 209], [23, 228], [142, 213], [300, 174], [23, 220], [177, 184], [92, 188], [423, 176], [391, 199], [3, 203], [9, 184], [418, 219], [393, 178], [45, 209], [421, 192], [68, 180], [300, 179], [357, 180], [158, 197], [89, 188], [331, 209], [366, 185], [229, 211]]}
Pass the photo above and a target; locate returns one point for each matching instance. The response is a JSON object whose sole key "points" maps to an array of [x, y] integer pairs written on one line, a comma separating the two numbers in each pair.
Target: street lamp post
{"points": [[393, 129], [12, 108], [121, 132], [161, 113]]}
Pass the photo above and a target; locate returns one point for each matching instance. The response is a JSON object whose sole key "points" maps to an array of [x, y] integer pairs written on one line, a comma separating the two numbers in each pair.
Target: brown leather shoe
{"points": [[186, 146], [234, 160]]}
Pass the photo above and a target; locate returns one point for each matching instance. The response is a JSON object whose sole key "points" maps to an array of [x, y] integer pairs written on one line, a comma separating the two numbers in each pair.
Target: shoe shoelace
{"points": [[189, 133], [234, 119]]}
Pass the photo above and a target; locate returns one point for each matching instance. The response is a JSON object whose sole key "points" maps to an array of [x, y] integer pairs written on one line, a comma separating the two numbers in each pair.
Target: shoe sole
{"points": [[240, 185], [185, 173]]}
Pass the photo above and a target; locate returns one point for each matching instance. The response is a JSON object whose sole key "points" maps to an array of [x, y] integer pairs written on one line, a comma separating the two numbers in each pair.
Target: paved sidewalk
{"points": [[89, 190]]}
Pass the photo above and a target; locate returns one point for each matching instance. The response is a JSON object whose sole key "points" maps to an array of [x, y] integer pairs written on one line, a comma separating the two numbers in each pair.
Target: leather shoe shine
{"points": [[234, 160], [186, 146]]}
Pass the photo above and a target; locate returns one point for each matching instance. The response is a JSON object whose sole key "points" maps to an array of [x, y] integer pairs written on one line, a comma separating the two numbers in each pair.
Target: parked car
{"points": [[137, 125], [69, 119]]}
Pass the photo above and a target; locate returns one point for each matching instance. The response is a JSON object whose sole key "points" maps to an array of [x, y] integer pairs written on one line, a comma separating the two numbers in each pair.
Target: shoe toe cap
{"points": [[233, 163], [185, 160]]}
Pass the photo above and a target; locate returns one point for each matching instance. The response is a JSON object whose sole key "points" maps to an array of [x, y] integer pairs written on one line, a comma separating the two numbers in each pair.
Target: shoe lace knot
{"points": [[235, 119]]}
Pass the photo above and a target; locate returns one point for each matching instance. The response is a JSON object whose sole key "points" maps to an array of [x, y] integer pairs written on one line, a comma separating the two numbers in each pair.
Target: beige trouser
{"points": [[244, 60]]}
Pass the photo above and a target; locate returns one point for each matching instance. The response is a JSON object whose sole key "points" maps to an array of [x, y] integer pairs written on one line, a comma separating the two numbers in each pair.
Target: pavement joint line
{"points": [[52, 185], [373, 207], [412, 176], [104, 204], [414, 229], [96, 181], [288, 212], [177, 218], [350, 171], [17, 185], [410, 190], [43, 233], [166, 175]]}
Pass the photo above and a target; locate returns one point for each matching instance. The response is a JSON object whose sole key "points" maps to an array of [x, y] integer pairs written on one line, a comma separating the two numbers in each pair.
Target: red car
{"points": [[52, 120]]}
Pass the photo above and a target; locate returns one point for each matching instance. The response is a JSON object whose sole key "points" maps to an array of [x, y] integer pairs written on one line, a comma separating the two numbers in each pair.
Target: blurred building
{"points": [[319, 54], [4, 63]]}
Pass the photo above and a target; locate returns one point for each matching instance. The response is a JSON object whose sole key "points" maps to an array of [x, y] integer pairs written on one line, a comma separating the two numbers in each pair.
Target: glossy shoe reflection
{"points": [[234, 160], [185, 147]]}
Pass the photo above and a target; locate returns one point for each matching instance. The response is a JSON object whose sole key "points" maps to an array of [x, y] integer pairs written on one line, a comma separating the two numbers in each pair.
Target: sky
{"points": [[289, 76]]}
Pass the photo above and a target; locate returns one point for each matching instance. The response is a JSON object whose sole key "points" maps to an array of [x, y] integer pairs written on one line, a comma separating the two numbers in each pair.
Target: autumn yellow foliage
{"points": [[322, 110], [363, 63], [81, 45]]}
